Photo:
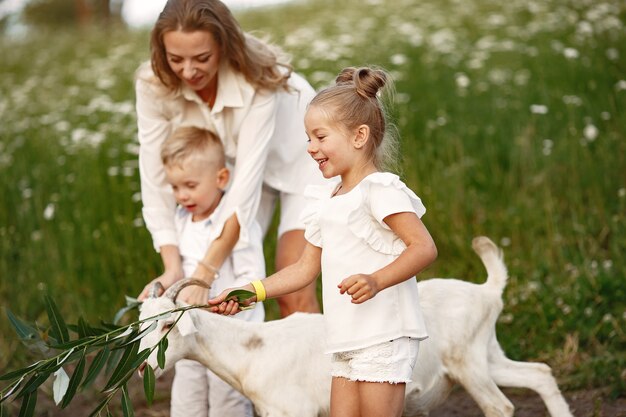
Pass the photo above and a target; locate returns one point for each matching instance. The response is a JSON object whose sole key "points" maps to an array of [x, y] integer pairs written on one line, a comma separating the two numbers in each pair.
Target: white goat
{"points": [[280, 367]]}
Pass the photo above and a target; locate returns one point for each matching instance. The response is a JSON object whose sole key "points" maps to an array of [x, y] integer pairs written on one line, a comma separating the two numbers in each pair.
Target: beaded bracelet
{"points": [[210, 268]]}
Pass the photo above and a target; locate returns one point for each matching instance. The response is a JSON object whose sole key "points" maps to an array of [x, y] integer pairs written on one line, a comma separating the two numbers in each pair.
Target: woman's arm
{"points": [[420, 252], [157, 199], [287, 280], [255, 132]]}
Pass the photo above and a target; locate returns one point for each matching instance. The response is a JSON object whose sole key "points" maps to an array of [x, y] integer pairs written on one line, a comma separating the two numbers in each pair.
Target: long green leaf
{"points": [[96, 366], [96, 411], [127, 405], [18, 373], [240, 295], [12, 389], [84, 329], [28, 405], [129, 356], [33, 383], [139, 335], [131, 303], [70, 344], [149, 382], [110, 326], [130, 369], [23, 330], [77, 376], [112, 361], [141, 358], [58, 328], [161, 352]]}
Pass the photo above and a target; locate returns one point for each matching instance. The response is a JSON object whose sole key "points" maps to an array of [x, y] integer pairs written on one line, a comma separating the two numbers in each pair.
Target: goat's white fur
{"points": [[280, 367]]}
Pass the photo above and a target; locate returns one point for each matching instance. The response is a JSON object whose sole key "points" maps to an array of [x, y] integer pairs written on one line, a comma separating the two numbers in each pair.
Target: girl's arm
{"points": [[285, 281], [420, 252]]}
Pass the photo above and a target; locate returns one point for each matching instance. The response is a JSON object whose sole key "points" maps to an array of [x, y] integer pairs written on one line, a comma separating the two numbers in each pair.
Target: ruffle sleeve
{"points": [[382, 194], [310, 216]]}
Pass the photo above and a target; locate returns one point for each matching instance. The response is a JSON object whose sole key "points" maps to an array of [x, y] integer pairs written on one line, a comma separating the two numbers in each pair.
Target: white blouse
{"points": [[263, 136], [354, 239]]}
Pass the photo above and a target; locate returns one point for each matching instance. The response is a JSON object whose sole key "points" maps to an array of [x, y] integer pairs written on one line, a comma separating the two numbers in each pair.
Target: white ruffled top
{"points": [[354, 238]]}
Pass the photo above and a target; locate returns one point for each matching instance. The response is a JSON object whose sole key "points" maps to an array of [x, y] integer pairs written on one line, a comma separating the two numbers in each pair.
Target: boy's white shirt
{"points": [[240, 268]]}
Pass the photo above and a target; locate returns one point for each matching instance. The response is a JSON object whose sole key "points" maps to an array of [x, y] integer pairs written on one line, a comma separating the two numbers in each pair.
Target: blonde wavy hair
{"points": [[262, 64]]}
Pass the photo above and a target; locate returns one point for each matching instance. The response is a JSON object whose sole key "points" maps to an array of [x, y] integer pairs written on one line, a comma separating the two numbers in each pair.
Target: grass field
{"points": [[512, 118]]}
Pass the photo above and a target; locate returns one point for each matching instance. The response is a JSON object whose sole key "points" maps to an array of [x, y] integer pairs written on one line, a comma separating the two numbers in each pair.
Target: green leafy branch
{"points": [[117, 347]]}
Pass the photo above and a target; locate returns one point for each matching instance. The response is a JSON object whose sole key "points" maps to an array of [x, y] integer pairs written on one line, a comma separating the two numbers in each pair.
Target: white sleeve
{"points": [[249, 262], [253, 142], [385, 200], [158, 201]]}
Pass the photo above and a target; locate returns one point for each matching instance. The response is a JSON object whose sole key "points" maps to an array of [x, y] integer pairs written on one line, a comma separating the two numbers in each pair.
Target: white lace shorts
{"points": [[391, 362]]}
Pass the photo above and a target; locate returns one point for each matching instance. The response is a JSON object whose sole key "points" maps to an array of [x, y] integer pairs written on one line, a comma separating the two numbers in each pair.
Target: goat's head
{"points": [[181, 333]]}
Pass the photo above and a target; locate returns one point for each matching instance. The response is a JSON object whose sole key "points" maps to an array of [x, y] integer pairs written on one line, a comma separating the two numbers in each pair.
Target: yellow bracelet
{"points": [[260, 290]]}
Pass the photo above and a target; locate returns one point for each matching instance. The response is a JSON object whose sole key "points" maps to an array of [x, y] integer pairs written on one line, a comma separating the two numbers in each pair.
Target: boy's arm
{"points": [[207, 269], [285, 281]]}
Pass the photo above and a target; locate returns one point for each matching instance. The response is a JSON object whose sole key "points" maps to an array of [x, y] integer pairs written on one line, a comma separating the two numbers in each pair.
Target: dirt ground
{"points": [[583, 403]]}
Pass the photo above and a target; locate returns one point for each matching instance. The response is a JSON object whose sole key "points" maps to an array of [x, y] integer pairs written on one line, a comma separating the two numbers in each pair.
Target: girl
{"points": [[205, 71], [366, 237]]}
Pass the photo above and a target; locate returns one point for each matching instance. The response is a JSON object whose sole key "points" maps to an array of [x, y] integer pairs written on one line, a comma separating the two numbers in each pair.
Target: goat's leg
{"points": [[535, 376], [473, 375]]}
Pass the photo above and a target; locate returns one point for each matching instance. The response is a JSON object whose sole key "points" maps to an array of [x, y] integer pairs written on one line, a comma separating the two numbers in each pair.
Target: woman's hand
{"points": [[360, 287], [169, 277]]}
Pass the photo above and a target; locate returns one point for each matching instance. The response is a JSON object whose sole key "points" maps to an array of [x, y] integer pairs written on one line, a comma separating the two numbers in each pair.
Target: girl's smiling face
{"points": [[193, 56], [330, 144]]}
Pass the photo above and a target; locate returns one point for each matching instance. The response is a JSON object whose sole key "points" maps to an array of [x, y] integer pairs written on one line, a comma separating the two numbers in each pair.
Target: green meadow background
{"points": [[512, 119]]}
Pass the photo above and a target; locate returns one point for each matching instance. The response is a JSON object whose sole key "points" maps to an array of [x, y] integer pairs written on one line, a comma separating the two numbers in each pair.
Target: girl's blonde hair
{"points": [[355, 100], [263, 65], [192, 142]]}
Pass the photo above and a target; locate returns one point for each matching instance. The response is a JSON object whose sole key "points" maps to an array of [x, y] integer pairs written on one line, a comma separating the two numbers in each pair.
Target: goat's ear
{"points": [[185, 324]]}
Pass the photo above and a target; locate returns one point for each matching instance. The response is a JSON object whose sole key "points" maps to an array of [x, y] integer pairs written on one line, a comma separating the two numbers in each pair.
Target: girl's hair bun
{"points": [[366, 81]]}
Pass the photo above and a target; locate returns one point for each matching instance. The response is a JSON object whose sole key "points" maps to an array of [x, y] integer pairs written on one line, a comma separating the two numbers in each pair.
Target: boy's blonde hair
{"points": [[190, 141]]}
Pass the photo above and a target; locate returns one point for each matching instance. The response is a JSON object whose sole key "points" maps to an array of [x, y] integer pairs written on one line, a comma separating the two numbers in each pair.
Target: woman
{"points": [[205, 71]]}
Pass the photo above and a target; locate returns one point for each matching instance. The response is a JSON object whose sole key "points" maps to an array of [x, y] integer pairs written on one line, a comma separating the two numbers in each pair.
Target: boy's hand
{"points": [[194, 295], [168, 278], [360, 287]]}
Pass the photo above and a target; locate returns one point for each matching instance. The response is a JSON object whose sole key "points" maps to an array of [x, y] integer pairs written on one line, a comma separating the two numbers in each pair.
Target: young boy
{"points": [[195, 167]]}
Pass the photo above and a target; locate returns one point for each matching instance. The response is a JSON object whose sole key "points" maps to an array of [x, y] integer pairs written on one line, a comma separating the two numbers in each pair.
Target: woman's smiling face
{"points": [[193, 56]]}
